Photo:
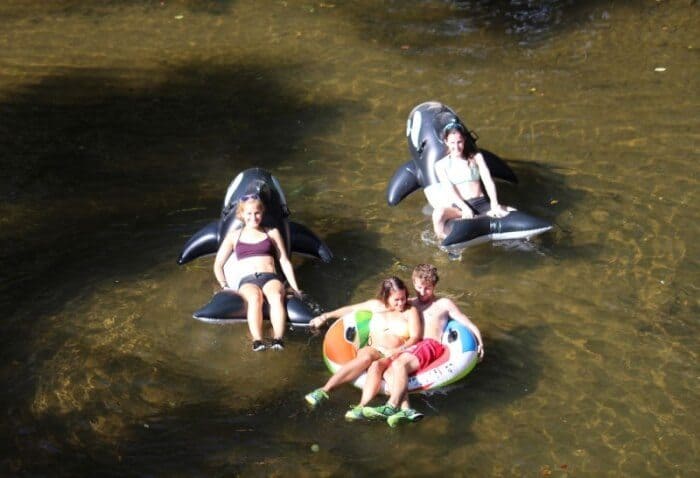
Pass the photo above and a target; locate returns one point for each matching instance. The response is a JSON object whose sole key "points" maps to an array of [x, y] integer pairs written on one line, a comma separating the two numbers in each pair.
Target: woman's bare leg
{"points": [[440, 217], [274, 293], [254, 301], [353, 369], [374, 380]]}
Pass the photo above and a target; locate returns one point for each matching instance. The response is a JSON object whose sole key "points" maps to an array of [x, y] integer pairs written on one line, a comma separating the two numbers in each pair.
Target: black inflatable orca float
{"points": [[424, 129], [227, 305]]}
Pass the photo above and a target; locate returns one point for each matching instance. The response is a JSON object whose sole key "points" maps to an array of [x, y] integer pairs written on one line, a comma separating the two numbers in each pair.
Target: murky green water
{"points": [[121, 124]]}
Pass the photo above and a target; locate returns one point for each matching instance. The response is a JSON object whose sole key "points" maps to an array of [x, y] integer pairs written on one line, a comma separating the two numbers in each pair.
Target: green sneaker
{"points": [[406, 415], [354, 414], [316, 397], [382, 412]]}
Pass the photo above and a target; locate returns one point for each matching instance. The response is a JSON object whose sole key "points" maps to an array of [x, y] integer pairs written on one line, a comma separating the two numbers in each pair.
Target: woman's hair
{"points": [[389, 285], [255, 199], [454, 126], [426, 273]]}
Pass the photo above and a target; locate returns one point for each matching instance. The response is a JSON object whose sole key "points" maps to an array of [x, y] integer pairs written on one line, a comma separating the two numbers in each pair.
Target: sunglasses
{"points": [[248, 197]]}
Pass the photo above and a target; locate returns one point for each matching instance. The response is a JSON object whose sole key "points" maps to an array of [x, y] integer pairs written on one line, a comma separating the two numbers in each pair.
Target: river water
{"points": [[122, 123]]}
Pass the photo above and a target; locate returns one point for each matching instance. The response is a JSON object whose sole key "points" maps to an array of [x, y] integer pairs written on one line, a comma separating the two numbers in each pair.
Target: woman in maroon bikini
{"points": [[256, 249]]}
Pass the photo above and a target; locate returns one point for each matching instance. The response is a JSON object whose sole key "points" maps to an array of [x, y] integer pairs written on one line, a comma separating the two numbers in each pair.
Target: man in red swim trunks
{"points": [[436, 312]]}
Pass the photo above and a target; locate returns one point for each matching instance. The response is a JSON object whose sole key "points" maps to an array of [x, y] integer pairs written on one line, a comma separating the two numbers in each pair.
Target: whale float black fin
{"points": [[498, 168], [203, 242], [299, 312], [304, 241], [226, 304], [402, 183], [515, 225]]}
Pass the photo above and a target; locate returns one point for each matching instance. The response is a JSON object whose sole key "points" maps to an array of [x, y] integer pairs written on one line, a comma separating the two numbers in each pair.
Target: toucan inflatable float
{"points": [[425, 145], [228, 305], [350, 332]]}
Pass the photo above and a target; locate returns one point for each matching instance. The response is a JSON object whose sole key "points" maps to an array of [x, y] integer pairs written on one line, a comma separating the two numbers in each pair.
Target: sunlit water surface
{"points": [[123, 122]]}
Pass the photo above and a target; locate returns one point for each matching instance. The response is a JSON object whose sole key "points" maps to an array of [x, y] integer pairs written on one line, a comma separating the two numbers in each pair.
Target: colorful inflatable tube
{"points": [[349, 333], [228, 305]]}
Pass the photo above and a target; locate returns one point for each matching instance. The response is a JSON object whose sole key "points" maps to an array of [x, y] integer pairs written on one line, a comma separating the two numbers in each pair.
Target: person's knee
{"points": [[274, 291], [374, 368], [365, 359], [402, 364], [254, 297]]}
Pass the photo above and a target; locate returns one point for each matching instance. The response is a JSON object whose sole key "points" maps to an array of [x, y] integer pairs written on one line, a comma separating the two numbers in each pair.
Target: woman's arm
{"points": [[285, 263], [373, 304], [225, 250], [489, 185]]}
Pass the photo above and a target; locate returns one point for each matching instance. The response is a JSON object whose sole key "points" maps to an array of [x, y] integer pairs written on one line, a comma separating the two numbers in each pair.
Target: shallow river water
{"points": [[122, 123]]}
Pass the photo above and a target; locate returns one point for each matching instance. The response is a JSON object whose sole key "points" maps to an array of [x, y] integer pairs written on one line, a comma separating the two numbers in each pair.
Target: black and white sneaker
{"points": [[277, 344], [258, 345]]}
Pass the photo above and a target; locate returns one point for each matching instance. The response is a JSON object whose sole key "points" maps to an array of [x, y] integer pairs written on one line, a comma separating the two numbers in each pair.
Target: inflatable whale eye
{"points": [[228, 305], [425, 128], [350, 333]]}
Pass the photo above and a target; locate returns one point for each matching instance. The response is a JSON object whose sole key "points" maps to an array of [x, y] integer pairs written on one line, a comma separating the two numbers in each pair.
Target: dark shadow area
{"points": [[356, 252], [215, 436], [416, 25], [545, 191], [87, 157], [101, 9], [510, 370], [93, 170], [194, 439]]}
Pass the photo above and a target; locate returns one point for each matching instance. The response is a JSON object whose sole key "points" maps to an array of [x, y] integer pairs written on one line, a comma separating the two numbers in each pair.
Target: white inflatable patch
{"points": [[414, 125]]}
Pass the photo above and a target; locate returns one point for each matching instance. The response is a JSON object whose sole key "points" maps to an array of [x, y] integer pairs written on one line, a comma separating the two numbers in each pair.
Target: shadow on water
{"points": [[99, 8], [438, 23], [354, 249], [85, 155], [232, 439], [510, 371], [93, 166], [545, 191]]}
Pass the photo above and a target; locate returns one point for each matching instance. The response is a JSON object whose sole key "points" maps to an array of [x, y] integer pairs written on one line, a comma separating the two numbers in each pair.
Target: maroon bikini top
{"points": [[248, 249]]}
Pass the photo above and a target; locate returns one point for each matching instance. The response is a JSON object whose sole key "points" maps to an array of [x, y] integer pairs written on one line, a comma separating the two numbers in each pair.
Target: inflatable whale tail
{"points": [[515, 225], [203, 242], [306, 242], [403, 182]]}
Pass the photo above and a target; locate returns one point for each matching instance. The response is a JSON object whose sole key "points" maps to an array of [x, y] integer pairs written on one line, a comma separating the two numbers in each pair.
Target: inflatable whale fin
{"points": [[515, 225], [299, 312], [203, 242], [226, 304], [306, 242], [498, 168], [402, 183]]}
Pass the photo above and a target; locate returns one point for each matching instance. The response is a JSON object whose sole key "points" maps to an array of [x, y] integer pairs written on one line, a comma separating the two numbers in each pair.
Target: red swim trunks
{"points": [[426, 351]]}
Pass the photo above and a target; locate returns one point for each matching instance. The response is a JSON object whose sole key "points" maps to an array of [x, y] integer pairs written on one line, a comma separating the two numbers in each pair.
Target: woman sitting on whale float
{"points": [[461, 174], [462, 214], [228, 306], [256, 248]]}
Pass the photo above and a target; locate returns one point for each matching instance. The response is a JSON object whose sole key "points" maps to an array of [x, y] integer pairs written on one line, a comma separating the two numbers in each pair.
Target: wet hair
{"points": [[426, 273], [255, 199], [389, 285]]}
